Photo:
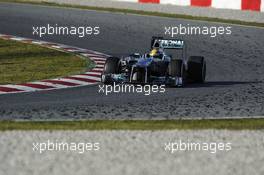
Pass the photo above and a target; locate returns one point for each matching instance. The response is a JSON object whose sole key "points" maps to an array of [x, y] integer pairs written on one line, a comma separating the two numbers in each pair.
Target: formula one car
{"points": [[156, 66]]}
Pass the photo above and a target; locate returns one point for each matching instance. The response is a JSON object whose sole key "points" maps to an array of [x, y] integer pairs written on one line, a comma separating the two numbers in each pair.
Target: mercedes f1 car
{"points": [[156, 66]]}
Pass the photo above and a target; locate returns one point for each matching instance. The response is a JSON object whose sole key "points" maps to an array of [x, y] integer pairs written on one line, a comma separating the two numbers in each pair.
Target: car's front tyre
{"points": [[176, 70]]}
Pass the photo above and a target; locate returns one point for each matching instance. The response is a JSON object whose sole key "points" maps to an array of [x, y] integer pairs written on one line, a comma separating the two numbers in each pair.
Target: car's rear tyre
{"points": [[196, 69], [176, 68], [112, 66]]}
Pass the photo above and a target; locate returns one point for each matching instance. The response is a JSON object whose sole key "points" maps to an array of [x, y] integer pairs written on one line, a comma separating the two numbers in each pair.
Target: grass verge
{"points": [[231, 124], [140, 12], [21, 62]]}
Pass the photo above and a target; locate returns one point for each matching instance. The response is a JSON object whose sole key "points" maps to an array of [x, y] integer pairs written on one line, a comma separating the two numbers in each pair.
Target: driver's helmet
{"points": [[156, 53], [153, 52]]}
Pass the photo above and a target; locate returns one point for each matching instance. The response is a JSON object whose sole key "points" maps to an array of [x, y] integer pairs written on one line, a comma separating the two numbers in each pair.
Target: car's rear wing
{"points": [[173, 44], [168, 43]]}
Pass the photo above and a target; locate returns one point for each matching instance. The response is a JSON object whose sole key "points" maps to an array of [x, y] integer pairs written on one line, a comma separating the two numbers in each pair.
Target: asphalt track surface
{"points": [[234, 86]]}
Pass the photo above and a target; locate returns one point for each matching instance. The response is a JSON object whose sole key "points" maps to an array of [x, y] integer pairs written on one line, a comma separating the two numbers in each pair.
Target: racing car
{"points": [[156, 66]]}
